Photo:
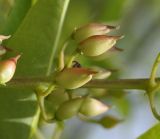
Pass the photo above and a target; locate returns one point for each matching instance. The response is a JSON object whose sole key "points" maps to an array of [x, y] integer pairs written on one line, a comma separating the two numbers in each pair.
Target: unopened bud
{"points": [[92, 107], [91, 29], [58, 97], [2, 37], [69, 109], [7, 69], [97, 45], [116, 49], [102, 73], [109, 121], [2, 50], [72, 78]]}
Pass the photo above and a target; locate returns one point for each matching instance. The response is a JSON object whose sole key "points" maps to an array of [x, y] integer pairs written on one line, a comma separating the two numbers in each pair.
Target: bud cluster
{"points": [[83, 105], [92, 39], [59, 105], [7, 67]]}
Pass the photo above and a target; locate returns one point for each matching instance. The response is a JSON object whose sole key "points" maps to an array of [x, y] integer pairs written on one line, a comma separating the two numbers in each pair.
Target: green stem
{"points": [[49, 90], [32, 82], [61, 56], [58, 130], [71, 59], [29, 82], [139, 84], [38, 134], [154, 71], [34, 124], [41, 100], [151, 96], [61, 60]]}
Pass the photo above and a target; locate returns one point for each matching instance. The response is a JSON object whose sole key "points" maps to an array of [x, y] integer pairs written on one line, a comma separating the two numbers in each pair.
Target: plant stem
{"points": [[38, 135], [58, 130], [30, 82], [61, 56], [154, 71], [152, 104], [71, 59], [140, 84]]}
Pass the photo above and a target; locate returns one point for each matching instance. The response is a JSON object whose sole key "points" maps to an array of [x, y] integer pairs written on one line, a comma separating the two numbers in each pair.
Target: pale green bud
{"points": [[92, 107], [2, 50], [101, 74], [72, 78], [7, 69], [58, 97], [91, 29], [97, 45], [69, 109]]}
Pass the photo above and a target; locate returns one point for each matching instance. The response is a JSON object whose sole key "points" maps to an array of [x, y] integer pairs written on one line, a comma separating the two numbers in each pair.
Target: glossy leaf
{"points": [[17, 14], [34, 39], [36, 36]]}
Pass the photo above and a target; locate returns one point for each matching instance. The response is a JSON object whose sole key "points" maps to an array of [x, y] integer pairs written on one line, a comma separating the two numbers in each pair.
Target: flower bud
{"points": [[109, 121], [58, 97], [91, 29], [92, 107], [69, 109], [7, 69], [72, 78], [102, 73], [41, 88], [2, 50], [2, 37], [97, 45]]}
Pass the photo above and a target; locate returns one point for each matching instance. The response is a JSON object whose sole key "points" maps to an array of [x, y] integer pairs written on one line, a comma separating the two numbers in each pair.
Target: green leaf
{"points": [[5, 7], [34, 39], [37, 35], [152, 133], [18, 113], [16, 15]]}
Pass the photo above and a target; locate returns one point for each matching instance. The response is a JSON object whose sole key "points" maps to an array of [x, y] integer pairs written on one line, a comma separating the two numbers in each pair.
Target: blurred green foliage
{"points": [[152, 133], [33, 27]]}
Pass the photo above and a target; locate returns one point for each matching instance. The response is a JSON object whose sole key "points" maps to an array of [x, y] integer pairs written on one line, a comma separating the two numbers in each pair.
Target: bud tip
{"points": [[114, 48], [121, 37], [3, 37], [16, 58]]}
